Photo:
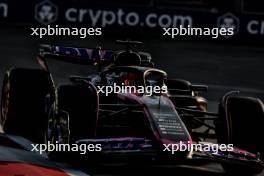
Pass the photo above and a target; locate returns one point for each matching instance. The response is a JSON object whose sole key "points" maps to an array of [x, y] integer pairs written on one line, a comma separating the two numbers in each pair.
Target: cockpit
{"points": [[134, 76]]}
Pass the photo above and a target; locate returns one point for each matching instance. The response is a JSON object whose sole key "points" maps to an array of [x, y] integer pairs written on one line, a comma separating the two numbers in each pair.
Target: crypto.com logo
{"points": [[229, 20], [46, 12], [3, 10]]}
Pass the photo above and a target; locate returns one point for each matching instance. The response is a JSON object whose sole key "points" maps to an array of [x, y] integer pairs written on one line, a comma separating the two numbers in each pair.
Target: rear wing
{"points": [[83, 56]]}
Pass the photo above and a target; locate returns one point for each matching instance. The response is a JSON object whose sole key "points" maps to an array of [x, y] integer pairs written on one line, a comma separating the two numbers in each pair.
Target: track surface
{"points": [[220, 66]]}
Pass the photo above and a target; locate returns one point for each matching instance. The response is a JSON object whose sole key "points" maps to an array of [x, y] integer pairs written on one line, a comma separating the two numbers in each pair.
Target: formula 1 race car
{"points": [[144, 122]]}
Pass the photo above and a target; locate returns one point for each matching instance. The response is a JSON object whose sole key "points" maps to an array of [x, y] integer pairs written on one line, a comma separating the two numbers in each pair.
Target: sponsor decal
{"points": [[255, 27], [46, 12], [3, 10], [121, 17], [152, 19]]}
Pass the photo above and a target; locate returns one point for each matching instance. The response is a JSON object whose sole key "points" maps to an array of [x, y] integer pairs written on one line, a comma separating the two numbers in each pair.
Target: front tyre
{"points": [[23, 103], [240, 123]]}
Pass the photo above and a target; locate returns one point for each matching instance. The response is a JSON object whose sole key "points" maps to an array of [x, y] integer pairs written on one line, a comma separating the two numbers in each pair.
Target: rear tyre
{"points": [[23, 103]]}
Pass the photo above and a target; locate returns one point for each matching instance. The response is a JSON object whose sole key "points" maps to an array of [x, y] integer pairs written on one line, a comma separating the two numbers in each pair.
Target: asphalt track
{"points": [[222, 66]]}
